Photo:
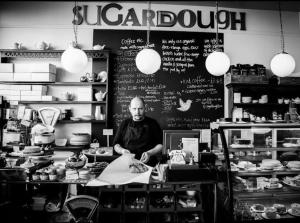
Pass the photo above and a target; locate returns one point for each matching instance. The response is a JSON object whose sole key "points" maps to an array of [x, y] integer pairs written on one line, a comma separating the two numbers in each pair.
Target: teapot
{"points": [[100, 95], [42, 45], [98, 47]]}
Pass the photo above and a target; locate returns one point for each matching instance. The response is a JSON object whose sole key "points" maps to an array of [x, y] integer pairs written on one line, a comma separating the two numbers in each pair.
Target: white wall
{"points": [[30, 22]]}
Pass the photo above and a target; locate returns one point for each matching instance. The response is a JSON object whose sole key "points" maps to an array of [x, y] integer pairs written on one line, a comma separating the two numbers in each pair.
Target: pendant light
{"points": [[148, 61], [282, 64], [217, 63], [74, 59]]}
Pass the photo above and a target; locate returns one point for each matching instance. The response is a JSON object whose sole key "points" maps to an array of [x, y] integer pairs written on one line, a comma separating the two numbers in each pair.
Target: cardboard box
{"points": [[6, 67], [6, 76], [12, 97], [26, 87], [43, 77], [48, 98], [84, 94], [39, 88], [22, 77], [4, 92], [15, 92], [33, 93], [35, 67], [5, 86], [31, 98]]}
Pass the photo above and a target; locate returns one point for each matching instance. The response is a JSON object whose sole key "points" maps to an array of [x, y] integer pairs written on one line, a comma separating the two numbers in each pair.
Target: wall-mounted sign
{"points": [[186, 18]]}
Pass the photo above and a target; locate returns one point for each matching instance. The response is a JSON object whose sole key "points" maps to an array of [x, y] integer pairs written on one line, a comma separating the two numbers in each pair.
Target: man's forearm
{"points": [[155, 150], [118, 148]]}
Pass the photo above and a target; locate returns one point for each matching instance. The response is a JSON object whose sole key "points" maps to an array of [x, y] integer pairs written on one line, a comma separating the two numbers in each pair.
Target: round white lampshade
{"points": [[74, 60], [283, 64], [217, 63], [148, 61]]}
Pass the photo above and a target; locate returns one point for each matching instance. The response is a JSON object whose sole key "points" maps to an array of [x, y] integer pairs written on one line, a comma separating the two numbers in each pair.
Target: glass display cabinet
{"points": [[261, 163]]}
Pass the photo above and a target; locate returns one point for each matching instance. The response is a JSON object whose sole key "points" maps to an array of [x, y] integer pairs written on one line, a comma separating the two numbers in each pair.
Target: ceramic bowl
{"points": [[246, 99]]}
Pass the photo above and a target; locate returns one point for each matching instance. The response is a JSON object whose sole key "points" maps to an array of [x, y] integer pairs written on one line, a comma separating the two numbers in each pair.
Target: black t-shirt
{"points": [[138, 136]]}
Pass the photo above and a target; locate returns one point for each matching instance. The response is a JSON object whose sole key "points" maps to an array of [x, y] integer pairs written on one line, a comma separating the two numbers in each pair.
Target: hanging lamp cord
{"points": [[281, 28], [217, 23], [148, 21], [75, 26]]}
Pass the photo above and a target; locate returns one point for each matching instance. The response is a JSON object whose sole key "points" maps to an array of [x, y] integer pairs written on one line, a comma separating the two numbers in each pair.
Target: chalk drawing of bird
{"points": [[184, 106]]}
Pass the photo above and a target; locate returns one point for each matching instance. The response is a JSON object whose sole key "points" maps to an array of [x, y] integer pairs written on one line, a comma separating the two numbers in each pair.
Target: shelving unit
{"points": [[250, 86], [114, 203], [100, 62], [250, 195]]}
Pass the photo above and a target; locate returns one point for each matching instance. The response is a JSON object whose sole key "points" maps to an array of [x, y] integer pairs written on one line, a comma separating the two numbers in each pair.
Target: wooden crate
{"points": [[249, 79], [289, 81]]}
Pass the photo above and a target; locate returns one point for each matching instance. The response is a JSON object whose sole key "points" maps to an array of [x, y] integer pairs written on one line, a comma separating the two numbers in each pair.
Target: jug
{"points": [[100, 95], [99, 115], [42, 45]]}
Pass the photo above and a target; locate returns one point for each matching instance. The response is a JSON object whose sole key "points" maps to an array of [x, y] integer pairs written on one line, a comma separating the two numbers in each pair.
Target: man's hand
{"points": [[145, 157], [125, 151]]}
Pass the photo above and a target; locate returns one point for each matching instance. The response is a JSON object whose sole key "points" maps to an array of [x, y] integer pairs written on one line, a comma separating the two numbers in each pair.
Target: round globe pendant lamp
{"points": [[148, 60], [282, 64], [74, 59], [217, 63]]}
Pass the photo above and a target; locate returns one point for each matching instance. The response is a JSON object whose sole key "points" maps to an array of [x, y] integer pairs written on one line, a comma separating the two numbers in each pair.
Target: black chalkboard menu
{"points": [[182, 94]]}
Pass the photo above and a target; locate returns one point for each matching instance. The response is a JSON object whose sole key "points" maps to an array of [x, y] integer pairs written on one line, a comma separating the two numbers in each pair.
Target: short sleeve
{"points": [[119, 137]]}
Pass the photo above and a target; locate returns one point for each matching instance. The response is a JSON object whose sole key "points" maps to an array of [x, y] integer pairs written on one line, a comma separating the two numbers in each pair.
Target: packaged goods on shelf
{"points": [[34, 67], [26, 87], [5, 76], [6, 67]]}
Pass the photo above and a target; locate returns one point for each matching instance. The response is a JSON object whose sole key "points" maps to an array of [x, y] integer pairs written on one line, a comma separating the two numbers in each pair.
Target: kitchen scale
{"points": [[82, 207]]}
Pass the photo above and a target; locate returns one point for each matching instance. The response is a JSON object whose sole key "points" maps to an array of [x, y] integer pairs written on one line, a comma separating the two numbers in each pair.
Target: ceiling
{"points": [[261, 5]]}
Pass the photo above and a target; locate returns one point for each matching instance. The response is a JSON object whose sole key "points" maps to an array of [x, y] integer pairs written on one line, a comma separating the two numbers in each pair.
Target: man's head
{"points": [[137, 109]]}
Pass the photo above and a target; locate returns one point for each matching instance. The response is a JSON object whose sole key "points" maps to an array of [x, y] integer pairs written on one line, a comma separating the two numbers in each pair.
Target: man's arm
{"points": [[120, 150], [146, 155]]}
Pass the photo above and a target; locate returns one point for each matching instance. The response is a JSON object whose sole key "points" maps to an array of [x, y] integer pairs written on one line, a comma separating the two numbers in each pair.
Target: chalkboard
{"points": [[182, 76]]}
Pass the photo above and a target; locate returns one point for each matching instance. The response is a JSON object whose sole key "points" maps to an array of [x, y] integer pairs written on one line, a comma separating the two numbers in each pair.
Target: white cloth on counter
{"points": [[118, 173]]}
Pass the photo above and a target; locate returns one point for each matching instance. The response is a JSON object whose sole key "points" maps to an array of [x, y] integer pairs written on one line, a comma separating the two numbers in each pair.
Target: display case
{"points": [[262, 167]]}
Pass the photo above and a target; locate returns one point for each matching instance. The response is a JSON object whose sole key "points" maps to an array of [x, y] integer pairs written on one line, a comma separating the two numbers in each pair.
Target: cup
{"points": [[286, 101], [280, 100], [271, 212], [67, 96]]}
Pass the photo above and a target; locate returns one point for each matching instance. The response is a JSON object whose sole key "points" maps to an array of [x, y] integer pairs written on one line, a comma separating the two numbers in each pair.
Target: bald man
{"points": [[140, 135]]}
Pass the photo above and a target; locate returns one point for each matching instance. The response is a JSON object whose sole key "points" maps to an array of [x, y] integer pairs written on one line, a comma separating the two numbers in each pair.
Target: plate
{"points": [[40, 157], [288, 144], [290, 212], [252, 209], [291, 185], [277, 121], [268, 187], [256, 121], [265, 216]]}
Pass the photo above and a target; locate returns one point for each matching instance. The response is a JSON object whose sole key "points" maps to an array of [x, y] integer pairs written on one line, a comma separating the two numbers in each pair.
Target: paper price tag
{"points": [[107, 132]]}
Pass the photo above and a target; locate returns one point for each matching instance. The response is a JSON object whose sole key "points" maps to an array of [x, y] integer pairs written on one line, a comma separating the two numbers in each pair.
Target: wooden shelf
{"points": [[259, 104], [80, 121], [62, 102], [55, 83], [264, 149], [100, 54], [267, 173], [69, 148]]}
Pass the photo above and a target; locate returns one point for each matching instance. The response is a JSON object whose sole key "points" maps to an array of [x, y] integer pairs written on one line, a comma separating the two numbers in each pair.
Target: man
{"points": [[140, 135]]}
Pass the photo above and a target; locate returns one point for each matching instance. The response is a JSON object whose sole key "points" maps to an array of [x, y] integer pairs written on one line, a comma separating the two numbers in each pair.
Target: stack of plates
{"points": [[80, 139]]}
